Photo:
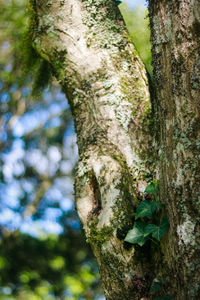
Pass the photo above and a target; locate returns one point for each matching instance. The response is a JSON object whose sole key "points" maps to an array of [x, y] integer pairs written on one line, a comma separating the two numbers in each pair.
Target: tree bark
{"points": [[91, 55], [175, 36], [90, 51]]}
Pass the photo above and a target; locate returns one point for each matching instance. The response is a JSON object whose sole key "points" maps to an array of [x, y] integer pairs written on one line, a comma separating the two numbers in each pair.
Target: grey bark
{"points": [[88, 46], [175, 36]]}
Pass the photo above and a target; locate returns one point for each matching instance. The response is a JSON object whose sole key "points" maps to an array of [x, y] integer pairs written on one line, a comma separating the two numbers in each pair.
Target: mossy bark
{"points": [[175, 36], [91, 55], [88, 46]]}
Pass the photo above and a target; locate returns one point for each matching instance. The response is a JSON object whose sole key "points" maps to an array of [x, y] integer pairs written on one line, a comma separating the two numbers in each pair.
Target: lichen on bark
{"points": [[175, 39], [105, 82], [91, 55]]}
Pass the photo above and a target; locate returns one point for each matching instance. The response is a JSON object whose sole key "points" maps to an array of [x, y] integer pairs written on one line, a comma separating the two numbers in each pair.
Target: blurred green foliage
{"points": [[37, 161], [137, 22], [54, 267]]}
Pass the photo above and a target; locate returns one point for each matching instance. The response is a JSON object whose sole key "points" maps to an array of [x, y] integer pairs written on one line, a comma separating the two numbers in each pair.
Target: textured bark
{"points": [[90, 51], [88, 46], [175, 35]]}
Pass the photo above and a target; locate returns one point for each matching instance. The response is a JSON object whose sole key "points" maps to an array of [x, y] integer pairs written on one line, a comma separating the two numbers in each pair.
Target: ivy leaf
{"points": [[157, 231], [151, 228], [160, 204], [118, 2], [151, 188], [136, 235], [146, 209], [163, 226], [155, 288], [140, 224], [166, 297]]}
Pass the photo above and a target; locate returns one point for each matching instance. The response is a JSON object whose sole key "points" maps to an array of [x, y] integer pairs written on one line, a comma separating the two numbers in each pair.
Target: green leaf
{"points": [[166, 297], [164, 224], [155, 288], [136, 235], [157, 231], [161, 280], [157, 204], [118, 2], [146, 209], [140, 224], [151, 228], [151, 188], [160, 204]]}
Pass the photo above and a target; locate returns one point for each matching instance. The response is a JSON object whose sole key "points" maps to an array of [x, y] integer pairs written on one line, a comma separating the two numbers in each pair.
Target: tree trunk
{"points": [[91, 55], [175, 36]]}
